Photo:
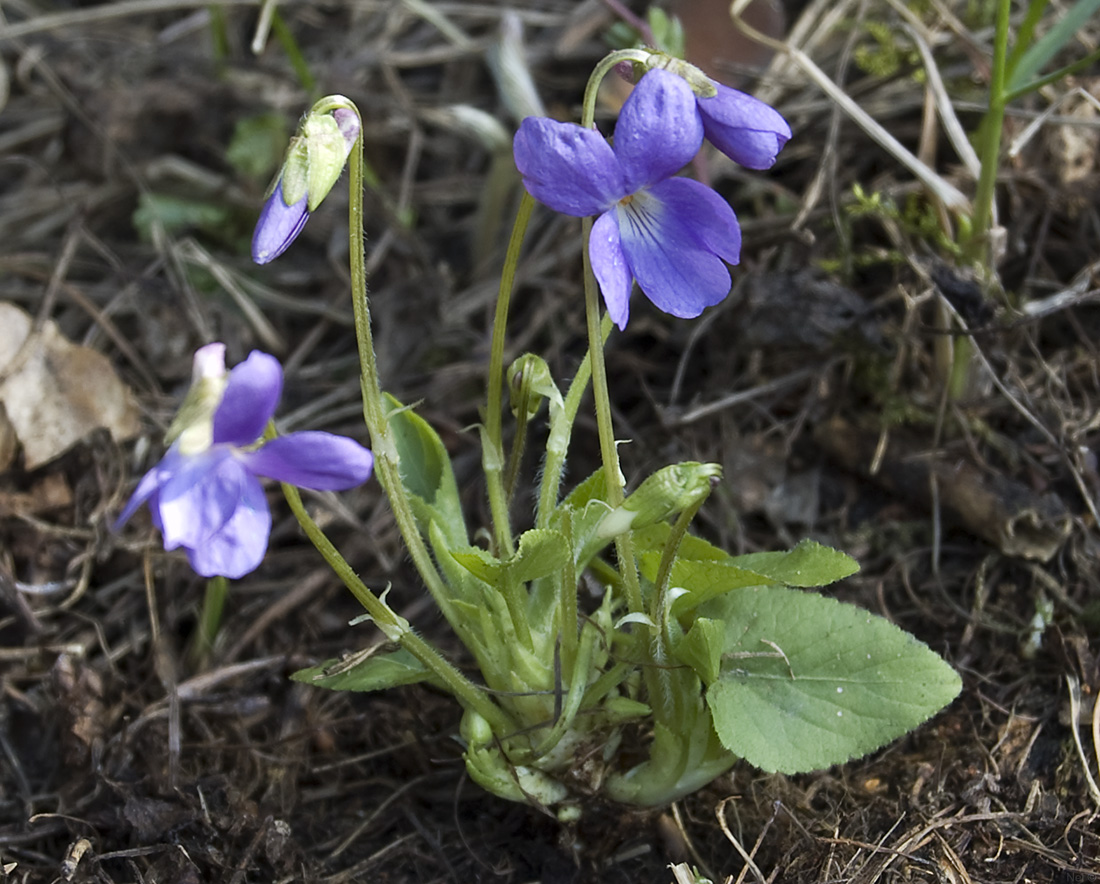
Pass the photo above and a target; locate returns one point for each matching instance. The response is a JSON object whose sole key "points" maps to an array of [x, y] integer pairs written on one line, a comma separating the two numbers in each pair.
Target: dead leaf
{"points": [[56, 392]]}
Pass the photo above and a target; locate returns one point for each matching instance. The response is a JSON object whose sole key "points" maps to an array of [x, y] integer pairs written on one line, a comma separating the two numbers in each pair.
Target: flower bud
{"points": [[314, 161], [529, 382], [668, 491]]}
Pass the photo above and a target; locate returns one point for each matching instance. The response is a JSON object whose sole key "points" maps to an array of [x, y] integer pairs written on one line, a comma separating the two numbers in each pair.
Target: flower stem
{"points": [[613, 476], [561, 430], [375, 412], [493, 455], [396, 628], [210, 619]]}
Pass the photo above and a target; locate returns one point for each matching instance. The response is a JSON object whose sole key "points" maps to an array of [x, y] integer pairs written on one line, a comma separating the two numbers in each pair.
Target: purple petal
{"points": [[570, 169], [148, 486], [610, 268], [659, 129], [278, 226], [347, 121], [744, 128], [239, 545], [200, 496], [320, 461], [249, 401], [670, 246], [708, 217]]}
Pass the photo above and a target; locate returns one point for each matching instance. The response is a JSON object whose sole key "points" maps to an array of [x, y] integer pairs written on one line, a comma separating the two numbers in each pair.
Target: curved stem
{"points": [[375, 413], [396, 628]]}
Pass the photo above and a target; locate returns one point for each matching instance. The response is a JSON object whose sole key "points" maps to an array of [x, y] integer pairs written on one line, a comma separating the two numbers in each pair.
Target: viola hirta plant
{"points": [[204, 495], [711, 657]]}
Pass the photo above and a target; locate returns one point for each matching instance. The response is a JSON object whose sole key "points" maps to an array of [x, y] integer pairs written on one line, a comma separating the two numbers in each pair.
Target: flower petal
{"points": [[148, 486], [705, 214], [278, 226], [610, 268], [249, 401], [659, 129], [669, 247], [200, 496], [744, 128], [239, 545], [321, 461], [568, 168]]}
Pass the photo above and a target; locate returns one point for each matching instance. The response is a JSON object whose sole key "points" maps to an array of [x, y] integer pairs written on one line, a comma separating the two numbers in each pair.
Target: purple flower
{"points": [[744, 128], [313, 163], [673, 235], [204, 495]]}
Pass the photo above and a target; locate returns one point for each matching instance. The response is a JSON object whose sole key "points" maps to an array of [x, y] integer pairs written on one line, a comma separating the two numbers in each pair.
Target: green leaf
{"points": [[366, 672], [587, 503], [540, 553], [808, 564], [426, 473], [1035, 58], [177, 215], [256, 148], [808, 682], [692, 548]]}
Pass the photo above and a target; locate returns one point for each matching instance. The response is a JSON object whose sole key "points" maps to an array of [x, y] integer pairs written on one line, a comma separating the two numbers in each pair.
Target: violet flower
{"points": [[744, 128], [204, 495], [316, 157], [673, 235]]}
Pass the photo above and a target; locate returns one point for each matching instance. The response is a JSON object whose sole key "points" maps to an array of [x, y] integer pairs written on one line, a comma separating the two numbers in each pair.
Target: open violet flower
{"points": [[673, 235], [205, 496]]}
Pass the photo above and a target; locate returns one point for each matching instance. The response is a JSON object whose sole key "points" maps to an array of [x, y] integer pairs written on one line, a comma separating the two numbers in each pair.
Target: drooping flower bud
{"points": [[529, 382], [668, 491], [314, 161]]}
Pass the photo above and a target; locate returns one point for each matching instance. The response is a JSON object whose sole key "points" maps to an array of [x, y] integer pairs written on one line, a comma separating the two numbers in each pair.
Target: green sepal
{"points": [[328, 152], [295, 172], [371, 672], [807, 682]]}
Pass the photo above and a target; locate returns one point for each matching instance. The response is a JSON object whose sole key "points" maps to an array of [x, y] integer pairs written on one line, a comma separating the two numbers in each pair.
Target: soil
{"points": [[818, 385]]}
